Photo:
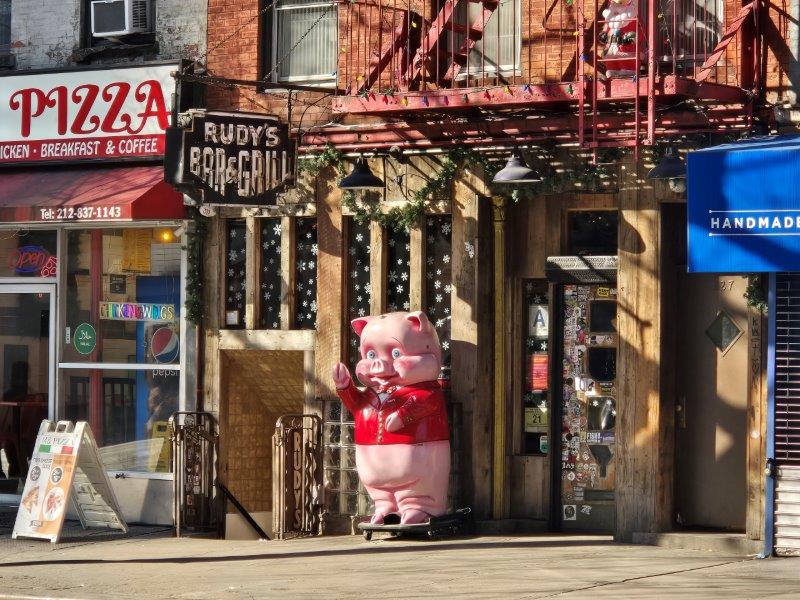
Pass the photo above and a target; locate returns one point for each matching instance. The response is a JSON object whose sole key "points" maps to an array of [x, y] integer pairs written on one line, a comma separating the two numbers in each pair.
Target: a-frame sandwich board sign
{"points": [[66, 465]]}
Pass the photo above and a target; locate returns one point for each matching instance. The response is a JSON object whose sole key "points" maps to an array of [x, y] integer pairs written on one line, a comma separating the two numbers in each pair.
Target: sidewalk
{"points": [[149, 563]]}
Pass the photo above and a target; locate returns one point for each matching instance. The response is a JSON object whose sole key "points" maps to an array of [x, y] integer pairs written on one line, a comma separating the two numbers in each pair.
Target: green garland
{"points": [[195, 235], [591, 178], [754, 294], [398, 217]]}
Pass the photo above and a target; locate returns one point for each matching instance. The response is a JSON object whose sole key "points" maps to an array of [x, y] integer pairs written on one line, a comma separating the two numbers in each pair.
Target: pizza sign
{"points": [[89, 114]]}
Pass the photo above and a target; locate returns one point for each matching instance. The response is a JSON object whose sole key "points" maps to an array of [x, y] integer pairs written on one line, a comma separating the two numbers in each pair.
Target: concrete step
{"points": [[727, 543]]}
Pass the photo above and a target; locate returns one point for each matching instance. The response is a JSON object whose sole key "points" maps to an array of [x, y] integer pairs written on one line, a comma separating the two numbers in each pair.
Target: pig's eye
{"points": [[396, 353], [372, 355]]}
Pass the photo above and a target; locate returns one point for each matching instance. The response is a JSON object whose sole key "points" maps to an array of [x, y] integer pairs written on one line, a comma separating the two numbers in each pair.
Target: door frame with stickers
{"points": [[588, 344]]}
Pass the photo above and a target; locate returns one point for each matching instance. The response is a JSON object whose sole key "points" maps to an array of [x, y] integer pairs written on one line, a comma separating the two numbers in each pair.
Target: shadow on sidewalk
{"points": [[423, 546]]}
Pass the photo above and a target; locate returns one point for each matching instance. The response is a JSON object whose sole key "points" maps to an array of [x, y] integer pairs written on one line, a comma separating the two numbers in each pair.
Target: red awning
{"points": [[88, 194]]}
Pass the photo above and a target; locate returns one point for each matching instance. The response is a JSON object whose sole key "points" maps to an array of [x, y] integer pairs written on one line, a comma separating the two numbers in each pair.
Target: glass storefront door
{"points": [[27, 321]]}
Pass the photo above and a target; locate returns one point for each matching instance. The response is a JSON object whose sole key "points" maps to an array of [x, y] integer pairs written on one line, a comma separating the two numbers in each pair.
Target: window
{"points": [[5, 26], [694, 34], [438, 279], [121, 344], [398, 271], [235, 273], [270, 289], [28, 253], [305, 273], [303, 45], [359, 289], [592, 232], [497, 52], [536, 399]]}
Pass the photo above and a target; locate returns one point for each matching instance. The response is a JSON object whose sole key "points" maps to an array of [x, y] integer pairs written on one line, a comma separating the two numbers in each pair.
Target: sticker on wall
{"points": [[570, 512], [85, 338], [165, 345], [544, 445]]}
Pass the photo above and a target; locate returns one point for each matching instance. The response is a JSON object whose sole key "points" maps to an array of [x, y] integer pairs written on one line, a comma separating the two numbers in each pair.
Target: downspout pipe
{"points": [[769, 468]]}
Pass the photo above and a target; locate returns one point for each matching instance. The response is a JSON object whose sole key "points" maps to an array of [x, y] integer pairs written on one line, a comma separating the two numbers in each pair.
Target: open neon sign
{"points": [[33, 259]]}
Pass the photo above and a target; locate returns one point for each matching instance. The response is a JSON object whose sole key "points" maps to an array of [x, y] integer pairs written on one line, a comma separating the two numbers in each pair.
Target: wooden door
{"points": [[711, 420]]}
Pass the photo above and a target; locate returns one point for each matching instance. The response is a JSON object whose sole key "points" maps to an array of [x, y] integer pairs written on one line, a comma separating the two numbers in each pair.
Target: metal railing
{"points": [[297, 476], [194, 438], [389, 46]]}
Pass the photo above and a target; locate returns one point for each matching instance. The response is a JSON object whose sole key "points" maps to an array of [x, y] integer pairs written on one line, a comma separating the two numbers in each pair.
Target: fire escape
{"points": [[415, 60]]}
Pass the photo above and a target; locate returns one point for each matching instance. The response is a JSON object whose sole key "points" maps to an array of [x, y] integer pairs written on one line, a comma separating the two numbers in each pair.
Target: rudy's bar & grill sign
{"points": [[88, 114], [231, 158]]}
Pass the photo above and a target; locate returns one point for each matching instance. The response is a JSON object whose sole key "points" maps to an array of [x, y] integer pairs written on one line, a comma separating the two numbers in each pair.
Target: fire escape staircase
{"points": [[730, 34], [434, 44]]}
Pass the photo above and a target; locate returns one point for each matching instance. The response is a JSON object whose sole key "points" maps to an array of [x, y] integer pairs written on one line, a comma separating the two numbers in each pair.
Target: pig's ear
{"points": [[419, 320], [359, 324]]}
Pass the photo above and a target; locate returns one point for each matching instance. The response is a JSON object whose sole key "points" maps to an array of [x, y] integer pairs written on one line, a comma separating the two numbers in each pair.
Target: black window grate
{"points": [[787, 369]]}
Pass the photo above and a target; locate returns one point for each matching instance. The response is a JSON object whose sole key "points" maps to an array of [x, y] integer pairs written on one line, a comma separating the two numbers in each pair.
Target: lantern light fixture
{"points": [[361, 178], [516, 171]]}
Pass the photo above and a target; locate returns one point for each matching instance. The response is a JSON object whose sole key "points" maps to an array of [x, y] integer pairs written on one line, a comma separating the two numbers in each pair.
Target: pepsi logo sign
{"points": [[165, 345]]}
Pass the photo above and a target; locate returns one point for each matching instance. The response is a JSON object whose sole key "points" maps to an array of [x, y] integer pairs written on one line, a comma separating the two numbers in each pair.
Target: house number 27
{"points": [[726, 286]]}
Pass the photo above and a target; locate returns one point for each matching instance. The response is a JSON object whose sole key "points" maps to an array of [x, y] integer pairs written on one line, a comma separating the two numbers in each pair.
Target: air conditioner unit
{"points": [[111, 18]]}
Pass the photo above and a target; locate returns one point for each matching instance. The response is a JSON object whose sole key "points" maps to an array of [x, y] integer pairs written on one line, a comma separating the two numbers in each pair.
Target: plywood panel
{"points": [[530, 489], [259, 387], [471, 336], [639, 485]]}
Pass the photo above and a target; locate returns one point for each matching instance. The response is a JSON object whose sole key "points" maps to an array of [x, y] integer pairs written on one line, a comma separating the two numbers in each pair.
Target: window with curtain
{"points": [[304, 40], [498, 50]]}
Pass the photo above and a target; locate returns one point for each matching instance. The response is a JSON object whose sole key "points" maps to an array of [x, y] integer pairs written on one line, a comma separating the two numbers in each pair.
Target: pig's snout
{"points": [[380, 367]]}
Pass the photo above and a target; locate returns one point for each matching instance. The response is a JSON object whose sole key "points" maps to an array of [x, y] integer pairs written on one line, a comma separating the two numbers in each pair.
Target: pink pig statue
{"points": [[401, 433]]}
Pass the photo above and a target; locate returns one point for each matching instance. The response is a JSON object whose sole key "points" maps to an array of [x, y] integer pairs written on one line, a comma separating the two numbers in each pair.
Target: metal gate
{"points": [[787, 413], [194, 440], [297, 476]]}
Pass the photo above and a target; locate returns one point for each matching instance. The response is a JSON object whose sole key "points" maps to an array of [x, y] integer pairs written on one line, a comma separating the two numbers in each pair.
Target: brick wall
{"points": [[46, 33], [234, 30]]}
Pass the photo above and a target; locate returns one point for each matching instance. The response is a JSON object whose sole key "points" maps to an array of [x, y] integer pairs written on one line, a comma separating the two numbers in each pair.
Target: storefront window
{"points": [[305, 275], [438, 281], [536, 403], [398, 270], [270, 276], [235, 275], [128, 412], [28, 253], [122, 320], [359, 290]]}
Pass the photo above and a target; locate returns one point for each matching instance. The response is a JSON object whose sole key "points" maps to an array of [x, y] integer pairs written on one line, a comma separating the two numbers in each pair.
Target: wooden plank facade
{"points": [[481, 259]]}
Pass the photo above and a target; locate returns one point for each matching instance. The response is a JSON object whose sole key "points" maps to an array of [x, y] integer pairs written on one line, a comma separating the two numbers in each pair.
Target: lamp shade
{"points": [[671, 166], [516, 171], [361, 178]]}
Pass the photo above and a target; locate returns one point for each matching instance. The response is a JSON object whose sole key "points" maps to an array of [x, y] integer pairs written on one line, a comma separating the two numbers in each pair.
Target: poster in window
{"points": [[535, 418], [538, 374], [136, 250], [538, 319]]}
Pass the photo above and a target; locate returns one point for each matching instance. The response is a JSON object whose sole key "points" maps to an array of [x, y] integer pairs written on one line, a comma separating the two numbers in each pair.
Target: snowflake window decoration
{"points": [[271, 272], [397, 297], [305, 270], [438, 250], [235, 270], [359, 294]]}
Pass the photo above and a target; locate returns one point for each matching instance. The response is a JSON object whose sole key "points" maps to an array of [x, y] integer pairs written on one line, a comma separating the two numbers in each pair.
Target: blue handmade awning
{"points": [[744, 206]]}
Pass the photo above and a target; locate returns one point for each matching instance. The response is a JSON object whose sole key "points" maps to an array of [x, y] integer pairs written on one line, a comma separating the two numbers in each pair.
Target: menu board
{"points": [[65, 465]]}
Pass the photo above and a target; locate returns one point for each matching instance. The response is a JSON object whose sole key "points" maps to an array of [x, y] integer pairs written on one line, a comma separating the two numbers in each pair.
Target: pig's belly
{"points": [[400, 465]]}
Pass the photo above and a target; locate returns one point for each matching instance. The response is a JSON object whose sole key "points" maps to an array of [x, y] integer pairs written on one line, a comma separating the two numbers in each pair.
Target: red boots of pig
{"points": [[401, 433]]}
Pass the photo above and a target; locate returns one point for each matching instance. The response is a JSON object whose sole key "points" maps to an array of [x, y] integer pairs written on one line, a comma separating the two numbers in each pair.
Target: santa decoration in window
{"points": [[618, 37]]}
